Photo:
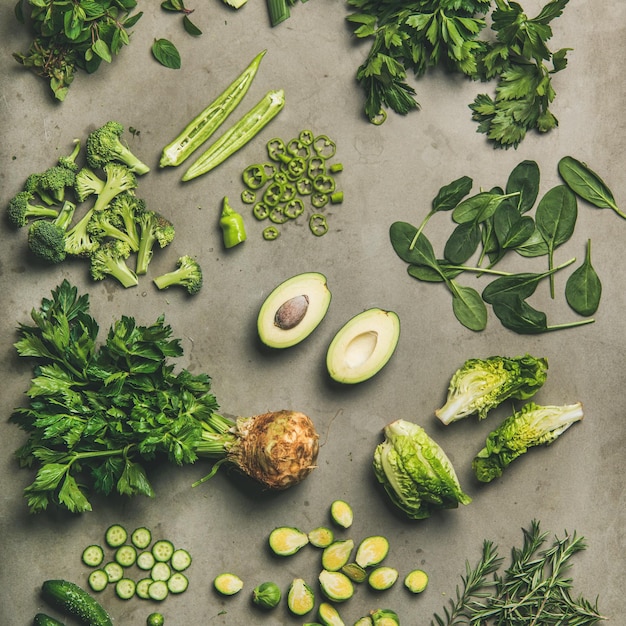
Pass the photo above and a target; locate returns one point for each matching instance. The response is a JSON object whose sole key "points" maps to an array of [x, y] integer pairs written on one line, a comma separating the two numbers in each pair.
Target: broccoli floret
{"points": [[129, 207], [104, 146], [55, 180], [118, 179], [69, 161], [532, 425], [481, 384], [109, 259], [22, 208], [78, 240], [108, 223], [153, 228], [188, 274], [33, 186], [46, 238], [87, 183]]}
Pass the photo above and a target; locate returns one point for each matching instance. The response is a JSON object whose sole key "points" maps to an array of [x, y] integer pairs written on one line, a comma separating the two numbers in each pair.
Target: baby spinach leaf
{"points": [[534, 246], [451, 194], [462, 243], [432, 275], [166, 53], [411, 245], [468, 306], [583, 288], [524, 179], [555, 217], [586, 184], [511, 228], [476, 208]]}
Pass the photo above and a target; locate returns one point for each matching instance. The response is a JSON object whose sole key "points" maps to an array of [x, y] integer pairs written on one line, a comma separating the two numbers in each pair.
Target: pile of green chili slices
{"points": [[296, 171]]}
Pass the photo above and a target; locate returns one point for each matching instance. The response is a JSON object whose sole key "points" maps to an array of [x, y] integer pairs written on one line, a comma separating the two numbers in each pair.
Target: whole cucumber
{"points": [[73, 600]]}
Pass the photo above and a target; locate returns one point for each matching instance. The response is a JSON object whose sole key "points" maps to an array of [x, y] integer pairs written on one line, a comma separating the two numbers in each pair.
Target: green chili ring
{"points": [[254, 176], [289, 192], [306, 137], [261, 210], [317, 167], [318, 224], [272, 194], [324, 184], [270, 233], [248, 196], [379, 118], [319, 200], [304, 186], [294, 208], [277, 214], [324, 147], [281, 178], [276, 149], [296, 168], [298, 149]]}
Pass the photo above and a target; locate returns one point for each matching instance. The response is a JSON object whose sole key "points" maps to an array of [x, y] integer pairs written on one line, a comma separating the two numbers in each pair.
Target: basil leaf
{"points": [[524, 179], [586, 184], [101, 49], [166, 53], [190, 27], [583, 288]]}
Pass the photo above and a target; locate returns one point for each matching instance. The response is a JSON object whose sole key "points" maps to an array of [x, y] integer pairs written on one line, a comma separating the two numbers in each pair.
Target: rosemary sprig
{"points": [[534, 590]]}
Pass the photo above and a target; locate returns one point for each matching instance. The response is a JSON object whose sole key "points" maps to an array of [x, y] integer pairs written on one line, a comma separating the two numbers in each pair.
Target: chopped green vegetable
{"points": [[372, 550], [479, 385], [114, 571], [93, 555], [98, 580], [383, 577], [354, 572], [267, 595], [155, 619], [532, 425], [336, 586], [415, 472], [141, 537], [104, 145], [385, 617], [125, 588], [228, 584], [287, 540], [158, 590], [126, 555], [232, 225], [341, 513], [210, 119], [188, 274], [115, 535], [416, 581], [321, 537], [300, 597], [329, 616], [337, 554], [154, 229]]}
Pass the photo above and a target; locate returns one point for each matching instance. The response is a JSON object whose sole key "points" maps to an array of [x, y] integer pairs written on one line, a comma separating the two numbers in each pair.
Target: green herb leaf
{"points": [[190, 27], [166, 53], [524, 179], [468, 306], [583, 289]]}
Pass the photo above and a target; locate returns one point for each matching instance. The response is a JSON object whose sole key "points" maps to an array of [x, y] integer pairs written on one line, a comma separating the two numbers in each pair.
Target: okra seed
{"points": [[291, 312]]}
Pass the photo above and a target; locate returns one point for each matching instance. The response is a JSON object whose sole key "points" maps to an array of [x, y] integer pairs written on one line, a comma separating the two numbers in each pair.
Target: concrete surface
{"points": [[391, 172]]}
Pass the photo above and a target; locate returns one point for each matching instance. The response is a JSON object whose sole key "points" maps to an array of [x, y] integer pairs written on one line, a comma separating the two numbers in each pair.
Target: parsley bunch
{"points": [[97, 412], [418, 35]]}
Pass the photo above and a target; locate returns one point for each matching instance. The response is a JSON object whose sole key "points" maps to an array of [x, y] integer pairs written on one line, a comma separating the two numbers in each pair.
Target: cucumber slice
{"points": [[163, 550], [115, 535], [180, 560], [158, 590], [145, 560], [125, 588], [160, 571], [141, 588], [98, 580], [141, 537], [177, 583], [93, 555], [126, 555], [114, 571]]}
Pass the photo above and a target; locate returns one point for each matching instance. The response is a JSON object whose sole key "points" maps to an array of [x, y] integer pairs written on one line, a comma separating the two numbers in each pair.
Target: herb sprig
{"points": [[535, 588], [414, 36]]}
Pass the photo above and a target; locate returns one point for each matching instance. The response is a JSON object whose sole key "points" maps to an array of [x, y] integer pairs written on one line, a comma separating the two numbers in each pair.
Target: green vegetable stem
{"points": [[232, 225]]}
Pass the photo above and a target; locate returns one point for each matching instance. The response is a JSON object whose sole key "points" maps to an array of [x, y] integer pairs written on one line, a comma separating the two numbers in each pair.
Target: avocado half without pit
{"points": [[363, 346], [293, 310]]}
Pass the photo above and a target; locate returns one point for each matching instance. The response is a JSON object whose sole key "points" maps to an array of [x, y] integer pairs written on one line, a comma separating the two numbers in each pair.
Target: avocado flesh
{"points": [[293, 310], [363, 346]]}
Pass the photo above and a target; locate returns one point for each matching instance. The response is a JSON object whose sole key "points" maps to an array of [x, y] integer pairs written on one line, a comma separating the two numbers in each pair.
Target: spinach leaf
{"points": [[468, 306], [583, 288], [451, 194], [411, 245], [431, 275], [534, 246], [462, 243], [586, 184], [524, 179], [511, 228], [556, 217]]}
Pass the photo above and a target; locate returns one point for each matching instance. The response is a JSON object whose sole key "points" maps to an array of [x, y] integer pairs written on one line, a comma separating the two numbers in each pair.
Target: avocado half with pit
{"points": [[293, 310], [363, 346]]}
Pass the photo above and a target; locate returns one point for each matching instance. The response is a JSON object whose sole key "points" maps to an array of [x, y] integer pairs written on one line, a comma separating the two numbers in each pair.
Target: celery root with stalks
{"points": [[101, 411]]}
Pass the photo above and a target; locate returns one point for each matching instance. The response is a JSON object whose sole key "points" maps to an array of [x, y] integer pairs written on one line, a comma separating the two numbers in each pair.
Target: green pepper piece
{"points": [[319, 200], [248, 196], [296, 168], [324, 183], [306, 137], [270, 233], [289, 192], [272, 194], [324, 147], [318, 224], [317, 166], [281, 178], [304, 186], [298, 149], [277, 214], [294, 208], [254, 176], [260, 210], [336, 167], [233, 228], [337, 197], [276, 150]]}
